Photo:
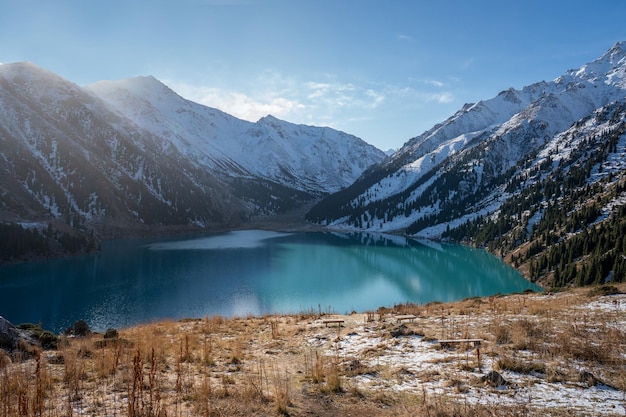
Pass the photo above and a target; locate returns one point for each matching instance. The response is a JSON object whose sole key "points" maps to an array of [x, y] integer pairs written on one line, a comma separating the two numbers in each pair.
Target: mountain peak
{"points": [[435, 179], [24, 68], [21, 65], [146, 81], [613, 58], [32, 79], [143, 85], [135, 148], [292, 155], [268, 119], [616, 52]]}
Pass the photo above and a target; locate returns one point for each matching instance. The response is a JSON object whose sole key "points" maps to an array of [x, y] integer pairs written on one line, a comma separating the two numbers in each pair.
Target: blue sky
{"points": [[382, 70]]}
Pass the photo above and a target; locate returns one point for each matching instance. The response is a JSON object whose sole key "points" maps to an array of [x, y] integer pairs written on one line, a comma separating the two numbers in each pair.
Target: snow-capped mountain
{"points": [[66, 157], [132, 156], [310, 159], [537, 176], [459, 169]]}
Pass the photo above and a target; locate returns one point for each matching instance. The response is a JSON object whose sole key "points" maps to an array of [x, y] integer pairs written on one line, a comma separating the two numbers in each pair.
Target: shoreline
{"points": [[540, 354]]}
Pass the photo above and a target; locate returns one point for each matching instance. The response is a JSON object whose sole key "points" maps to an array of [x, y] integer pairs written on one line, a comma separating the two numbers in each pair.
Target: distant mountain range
{"points": [[510, 173], [132, 157], [535, 175], [316, 160]]}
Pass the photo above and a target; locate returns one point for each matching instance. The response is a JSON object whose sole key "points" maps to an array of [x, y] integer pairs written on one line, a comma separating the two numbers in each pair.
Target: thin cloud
{"points": [[443, 98], [377, 98], [410, 94], [467, 63], [324, 103], [342, 95], [239, 104], [404, 38], [428, 81], [318, 90], [434, 83]]}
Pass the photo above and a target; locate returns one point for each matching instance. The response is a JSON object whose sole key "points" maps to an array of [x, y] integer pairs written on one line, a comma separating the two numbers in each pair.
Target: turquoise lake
{"points": [[247, 273]]}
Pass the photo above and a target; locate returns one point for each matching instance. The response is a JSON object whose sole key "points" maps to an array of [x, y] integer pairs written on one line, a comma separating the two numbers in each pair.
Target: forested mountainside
{"points": [[535, 175], [569, 227]]}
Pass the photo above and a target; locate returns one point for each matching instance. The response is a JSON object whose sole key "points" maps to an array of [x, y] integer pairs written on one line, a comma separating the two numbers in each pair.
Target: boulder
{"points": [[401, 330], [11, 337], [494, 379], [591, 381]]}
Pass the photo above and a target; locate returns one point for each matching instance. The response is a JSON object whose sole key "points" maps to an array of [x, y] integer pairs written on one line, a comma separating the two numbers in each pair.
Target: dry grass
{"points": [[293, 365]]}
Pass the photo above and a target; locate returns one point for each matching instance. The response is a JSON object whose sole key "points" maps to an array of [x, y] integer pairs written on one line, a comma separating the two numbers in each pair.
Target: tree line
{"points": [[560, 226], [21, 243]]}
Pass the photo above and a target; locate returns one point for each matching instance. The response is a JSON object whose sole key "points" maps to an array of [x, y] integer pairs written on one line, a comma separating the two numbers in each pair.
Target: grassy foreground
{"points": [[556, 354]]}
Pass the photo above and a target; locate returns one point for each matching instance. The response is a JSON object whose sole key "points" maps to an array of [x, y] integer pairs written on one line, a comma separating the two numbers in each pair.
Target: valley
{"points": [[536, 176]]}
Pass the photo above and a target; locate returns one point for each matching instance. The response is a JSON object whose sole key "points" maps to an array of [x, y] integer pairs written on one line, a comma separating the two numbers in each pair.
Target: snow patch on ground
{"points": [[420, 366]]}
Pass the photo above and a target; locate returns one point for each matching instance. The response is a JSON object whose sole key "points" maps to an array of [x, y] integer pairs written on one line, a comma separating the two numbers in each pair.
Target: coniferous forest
{"points": [[565, 229], [21, 243]]}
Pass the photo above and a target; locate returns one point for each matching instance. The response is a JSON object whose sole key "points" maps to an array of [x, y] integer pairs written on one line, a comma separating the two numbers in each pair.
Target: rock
{"points": [[80, 329], [591, 380], [111, 334], [11, 337], [401, 330], [588, 378], [353, 366], [8, 334], [494, 379]]}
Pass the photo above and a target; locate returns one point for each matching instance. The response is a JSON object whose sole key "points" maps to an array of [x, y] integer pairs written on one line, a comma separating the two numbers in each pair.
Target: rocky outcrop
{"points": [[494, 379], [11, 337]]}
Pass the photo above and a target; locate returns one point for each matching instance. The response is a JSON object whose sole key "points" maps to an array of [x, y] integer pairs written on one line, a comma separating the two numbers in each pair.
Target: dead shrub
{"points": [[603, 290], [281, 385], [502, 333], [519, 365], [527, 334]]}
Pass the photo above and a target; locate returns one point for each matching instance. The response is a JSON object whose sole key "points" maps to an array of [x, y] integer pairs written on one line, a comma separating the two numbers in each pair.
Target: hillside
{"points": [[540, 355], [131, 158], [505, 173], [307, 158]]}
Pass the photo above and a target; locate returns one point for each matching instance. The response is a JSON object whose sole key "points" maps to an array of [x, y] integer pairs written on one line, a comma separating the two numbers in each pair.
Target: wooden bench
{"points": [[409, 317], [331, 321], [450, 342]]}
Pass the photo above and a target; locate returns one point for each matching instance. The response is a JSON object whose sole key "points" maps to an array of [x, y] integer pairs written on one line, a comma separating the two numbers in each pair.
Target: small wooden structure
{"points": [[332, 321], [409, 317], [450, 342]]}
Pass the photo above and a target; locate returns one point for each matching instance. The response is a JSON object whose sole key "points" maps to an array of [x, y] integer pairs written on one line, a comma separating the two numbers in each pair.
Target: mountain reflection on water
{"points": [[247, 273]]}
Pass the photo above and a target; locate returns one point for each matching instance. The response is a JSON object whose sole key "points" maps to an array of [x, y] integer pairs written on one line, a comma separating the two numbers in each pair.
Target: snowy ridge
{"points": [[133, 155], [458, 169], [307, 158], [69, 159]]}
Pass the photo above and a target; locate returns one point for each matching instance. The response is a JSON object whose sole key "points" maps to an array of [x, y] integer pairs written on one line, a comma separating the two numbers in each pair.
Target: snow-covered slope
{"points": [[307, 158], [458, 169], [66, 157], [132, 156]]}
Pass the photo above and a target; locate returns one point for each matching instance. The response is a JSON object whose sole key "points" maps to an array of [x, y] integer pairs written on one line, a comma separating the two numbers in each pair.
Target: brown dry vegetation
{"points": [[294, 365]]}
